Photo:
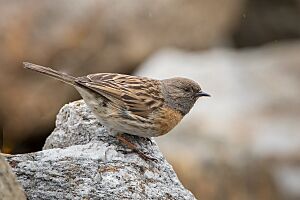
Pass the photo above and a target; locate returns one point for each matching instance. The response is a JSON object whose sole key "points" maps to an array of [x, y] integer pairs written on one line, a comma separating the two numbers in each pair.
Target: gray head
{"points": [[181, 93]]}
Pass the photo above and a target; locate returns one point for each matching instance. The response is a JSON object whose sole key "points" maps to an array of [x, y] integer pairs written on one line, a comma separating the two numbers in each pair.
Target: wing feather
{"points": [[139, 95]]}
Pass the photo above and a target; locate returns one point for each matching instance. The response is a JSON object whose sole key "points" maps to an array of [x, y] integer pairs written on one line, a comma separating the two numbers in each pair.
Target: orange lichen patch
{"points": [[167, 119]]}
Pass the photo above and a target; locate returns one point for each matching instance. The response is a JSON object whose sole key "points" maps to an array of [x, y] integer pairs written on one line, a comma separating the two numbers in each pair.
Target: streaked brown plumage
{"points": [[130, 104]]}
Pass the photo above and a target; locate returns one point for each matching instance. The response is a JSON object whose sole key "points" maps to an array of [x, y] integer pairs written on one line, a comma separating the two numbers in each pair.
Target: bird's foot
{"points": [[134, 148]]}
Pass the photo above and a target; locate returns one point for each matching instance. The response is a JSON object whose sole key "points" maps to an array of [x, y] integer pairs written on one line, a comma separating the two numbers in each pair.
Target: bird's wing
{"points": [[139, 95]]}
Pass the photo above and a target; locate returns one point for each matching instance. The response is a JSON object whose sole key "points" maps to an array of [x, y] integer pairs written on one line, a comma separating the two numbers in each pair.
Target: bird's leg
{"points": [[133, 147]]}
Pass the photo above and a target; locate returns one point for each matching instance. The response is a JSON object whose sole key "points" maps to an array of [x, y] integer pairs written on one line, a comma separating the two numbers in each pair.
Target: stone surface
{"points": [[10, 189], [86, 37], [244, 141], [81, 160]]}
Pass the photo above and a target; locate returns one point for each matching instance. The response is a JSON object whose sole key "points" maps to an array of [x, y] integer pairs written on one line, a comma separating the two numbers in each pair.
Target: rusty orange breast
{"points": [[166, 119]]}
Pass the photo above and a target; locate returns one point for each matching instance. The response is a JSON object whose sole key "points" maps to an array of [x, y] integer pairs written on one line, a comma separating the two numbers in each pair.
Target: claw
{"points": [[149, 140], [134, 148]]}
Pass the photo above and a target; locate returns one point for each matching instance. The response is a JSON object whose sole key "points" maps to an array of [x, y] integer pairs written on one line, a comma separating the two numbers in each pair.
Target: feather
{"points": [[128, 93]]}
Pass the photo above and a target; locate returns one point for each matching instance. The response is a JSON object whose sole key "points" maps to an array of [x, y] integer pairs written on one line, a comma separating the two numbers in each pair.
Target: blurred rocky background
{"points": [[243, 143]]}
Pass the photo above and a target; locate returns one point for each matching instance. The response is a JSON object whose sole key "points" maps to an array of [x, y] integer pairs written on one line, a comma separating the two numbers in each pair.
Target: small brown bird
{"points": [[130, 104]]}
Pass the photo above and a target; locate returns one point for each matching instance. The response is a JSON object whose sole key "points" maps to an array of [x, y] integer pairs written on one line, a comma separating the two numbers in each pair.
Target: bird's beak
{"points": [[202, 94]]}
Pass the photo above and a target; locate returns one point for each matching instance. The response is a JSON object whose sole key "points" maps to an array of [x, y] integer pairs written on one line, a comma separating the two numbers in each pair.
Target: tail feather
{"points": [[51, 72]]}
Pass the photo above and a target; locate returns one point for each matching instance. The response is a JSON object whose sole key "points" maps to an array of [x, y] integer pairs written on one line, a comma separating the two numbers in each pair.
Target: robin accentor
{"points": [[130, 104]]}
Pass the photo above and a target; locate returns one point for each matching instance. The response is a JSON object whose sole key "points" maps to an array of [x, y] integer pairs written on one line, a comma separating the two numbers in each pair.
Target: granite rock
{"points": [[9, 187], [81, 160]]}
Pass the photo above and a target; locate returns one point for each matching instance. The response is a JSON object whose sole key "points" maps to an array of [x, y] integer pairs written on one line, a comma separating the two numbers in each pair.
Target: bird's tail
{"points": [[50, 72]]}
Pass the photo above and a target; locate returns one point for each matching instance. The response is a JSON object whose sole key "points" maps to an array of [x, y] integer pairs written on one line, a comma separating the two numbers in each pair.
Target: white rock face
{"points": [[9, 187], [251, 119], [81, 160]]}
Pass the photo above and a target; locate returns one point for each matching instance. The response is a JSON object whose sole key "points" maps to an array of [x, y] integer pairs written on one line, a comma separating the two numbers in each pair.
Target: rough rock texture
{"points": [[81, 160], [244, 141], [9, 187], [90, 36]]}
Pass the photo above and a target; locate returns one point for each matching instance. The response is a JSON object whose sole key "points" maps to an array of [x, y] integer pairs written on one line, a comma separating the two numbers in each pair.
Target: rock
{"points": [[9, 187], [244, 141], [85, 37], [81, 160]]}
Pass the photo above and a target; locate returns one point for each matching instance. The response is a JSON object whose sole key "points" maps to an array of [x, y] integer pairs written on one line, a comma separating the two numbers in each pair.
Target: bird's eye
{"points": [[187, 89]]}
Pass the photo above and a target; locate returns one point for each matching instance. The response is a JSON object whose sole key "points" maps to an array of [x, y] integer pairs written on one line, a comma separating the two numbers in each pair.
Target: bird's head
{"points": [[182, 93]]}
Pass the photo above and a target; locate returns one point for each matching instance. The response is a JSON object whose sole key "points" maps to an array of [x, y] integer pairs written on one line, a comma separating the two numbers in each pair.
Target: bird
{"points": [[133, 105]]}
